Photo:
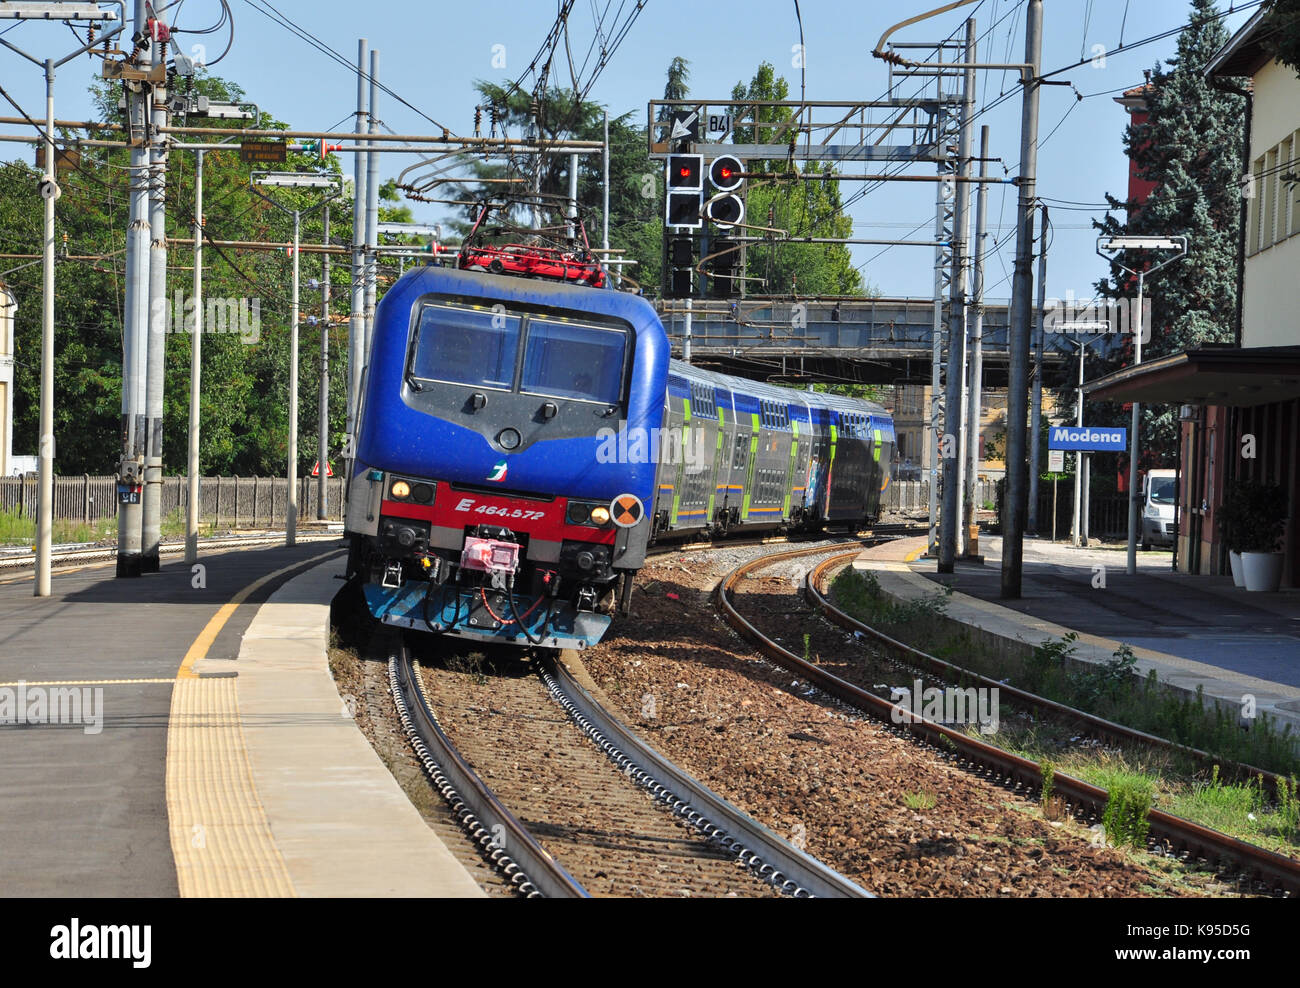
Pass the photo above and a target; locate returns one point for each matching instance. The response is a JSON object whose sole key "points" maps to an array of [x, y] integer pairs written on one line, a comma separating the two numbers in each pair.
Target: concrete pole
{"points": [[975, 410], [196, 347], [45, 503], [157, 353], [372, 212], [1036, 401], [1013, 522], [323, 425], [953, 407], [356, 325], [135, 331], [573, 194], [291, 502], [1087, 499], [1133, 439], [686, 337], [936, 344], [604, 210]]}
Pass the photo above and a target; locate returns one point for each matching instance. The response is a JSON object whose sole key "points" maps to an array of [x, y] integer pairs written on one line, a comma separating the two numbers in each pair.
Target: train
{"points": [[520, 442]]}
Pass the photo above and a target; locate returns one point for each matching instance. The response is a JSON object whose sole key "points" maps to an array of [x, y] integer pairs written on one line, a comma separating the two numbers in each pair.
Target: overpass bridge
{"points": [[865, 340]]}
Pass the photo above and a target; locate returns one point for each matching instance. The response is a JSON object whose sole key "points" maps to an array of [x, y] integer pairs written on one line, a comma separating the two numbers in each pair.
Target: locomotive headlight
{"points": [[600, 514], [578, 512], [400, 489]]}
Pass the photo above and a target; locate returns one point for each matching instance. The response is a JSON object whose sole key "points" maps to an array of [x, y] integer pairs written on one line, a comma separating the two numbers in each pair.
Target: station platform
{"points": [[1193, 630], [181, 734]]}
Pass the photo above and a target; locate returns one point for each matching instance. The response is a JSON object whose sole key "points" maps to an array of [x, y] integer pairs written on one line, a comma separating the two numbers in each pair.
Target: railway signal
{"points": [[685, 185], [724, 267], [681, 255], [726, 176]]}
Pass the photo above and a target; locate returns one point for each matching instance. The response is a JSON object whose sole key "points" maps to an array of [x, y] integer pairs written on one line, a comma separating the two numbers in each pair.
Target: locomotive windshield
{"points": [[479, 347], [571, 361], [466, 346]]}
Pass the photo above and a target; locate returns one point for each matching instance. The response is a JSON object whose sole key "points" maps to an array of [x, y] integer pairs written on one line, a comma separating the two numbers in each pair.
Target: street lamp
{"points": [[49, 187], [334, 187], [1138, 243], [204, 108]]}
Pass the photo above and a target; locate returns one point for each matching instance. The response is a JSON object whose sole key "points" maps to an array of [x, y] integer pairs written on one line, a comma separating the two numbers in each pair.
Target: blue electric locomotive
{"points": [[520, 443]]}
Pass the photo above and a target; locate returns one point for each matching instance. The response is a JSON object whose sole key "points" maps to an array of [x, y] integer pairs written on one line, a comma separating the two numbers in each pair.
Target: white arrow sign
{"points": [[682, 126]]}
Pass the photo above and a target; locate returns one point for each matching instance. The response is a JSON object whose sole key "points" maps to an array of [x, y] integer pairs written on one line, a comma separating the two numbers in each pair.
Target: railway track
{"points": [[566, 802], [1096, 727], [83, 554], [1273, 872]]}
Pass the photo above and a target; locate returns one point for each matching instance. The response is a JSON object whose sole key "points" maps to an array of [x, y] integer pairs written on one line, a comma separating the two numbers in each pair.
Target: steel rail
{"points": [[772, 858], [509, 846], [25, 559], [1274, 871], [1099, 727]]}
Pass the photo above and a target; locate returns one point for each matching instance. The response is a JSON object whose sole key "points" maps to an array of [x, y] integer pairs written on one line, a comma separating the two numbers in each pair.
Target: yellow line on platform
{"points": [[83, 682], [220, 836], [208, 635]]}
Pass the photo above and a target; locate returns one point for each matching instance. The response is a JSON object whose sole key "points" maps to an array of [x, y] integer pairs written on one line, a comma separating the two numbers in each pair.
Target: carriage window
{"points": [[742, 452], [466, 346], [571, 361]]}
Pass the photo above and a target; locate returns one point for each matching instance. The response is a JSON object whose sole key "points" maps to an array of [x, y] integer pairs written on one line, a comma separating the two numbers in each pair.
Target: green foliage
{"points": [[803, 207], [1284, 38], [1190, 147], [860, 593], [1287, 815], [1127, 806], [636, 182], [920, 801], [1109, 680], [1047, 660], [245, 386], [866, 392], [1048, 771], [1253, 516]]}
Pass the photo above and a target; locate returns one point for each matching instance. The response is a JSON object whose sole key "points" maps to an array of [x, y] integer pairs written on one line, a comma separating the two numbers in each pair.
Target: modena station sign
{"points": [[1088, 438]]}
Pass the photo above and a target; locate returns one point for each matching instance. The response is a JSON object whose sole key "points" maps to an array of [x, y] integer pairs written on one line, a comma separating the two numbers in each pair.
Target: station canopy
{"points": [[1210, 375]]}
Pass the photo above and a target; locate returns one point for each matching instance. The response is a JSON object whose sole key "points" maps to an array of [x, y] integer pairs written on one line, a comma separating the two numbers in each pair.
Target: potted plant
{"points": [[1230, 516], [1258, 532]]}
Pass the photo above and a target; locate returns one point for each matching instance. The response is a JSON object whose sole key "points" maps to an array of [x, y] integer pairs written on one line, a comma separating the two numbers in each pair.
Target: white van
{"points": [[1159, 489]]}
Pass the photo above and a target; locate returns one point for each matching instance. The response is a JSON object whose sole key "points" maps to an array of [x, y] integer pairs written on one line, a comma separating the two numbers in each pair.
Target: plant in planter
{"points": [[1253, 525], [1231, 517]]}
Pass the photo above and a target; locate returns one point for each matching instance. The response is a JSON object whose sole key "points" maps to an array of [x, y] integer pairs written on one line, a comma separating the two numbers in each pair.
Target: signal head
{"points": [[726, 173], [726, 210], [685, 172]]}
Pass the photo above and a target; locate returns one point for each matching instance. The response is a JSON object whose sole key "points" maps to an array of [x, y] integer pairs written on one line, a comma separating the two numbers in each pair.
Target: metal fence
{"points": [[914, 495], [251, 502]]}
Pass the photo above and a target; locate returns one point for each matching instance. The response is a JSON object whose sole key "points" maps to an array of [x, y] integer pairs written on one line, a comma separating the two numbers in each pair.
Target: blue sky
{"points": [[432, 52]]}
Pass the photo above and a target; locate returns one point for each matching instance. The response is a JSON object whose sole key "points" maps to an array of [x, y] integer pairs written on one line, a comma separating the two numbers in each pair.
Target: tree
{"points": [[1190, 147], [245, 381], [1283, 38], [793, 202], [636, 182]]}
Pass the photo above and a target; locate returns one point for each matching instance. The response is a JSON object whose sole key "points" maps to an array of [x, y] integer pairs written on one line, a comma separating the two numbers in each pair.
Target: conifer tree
{"points": [[1190, 147]]}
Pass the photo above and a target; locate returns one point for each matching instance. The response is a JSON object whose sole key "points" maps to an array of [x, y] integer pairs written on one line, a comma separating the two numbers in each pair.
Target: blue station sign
{"points": [[1088, 438]]}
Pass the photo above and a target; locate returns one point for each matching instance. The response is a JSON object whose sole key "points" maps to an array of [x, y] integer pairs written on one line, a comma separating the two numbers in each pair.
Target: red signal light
{"points": [[684, 172]]}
